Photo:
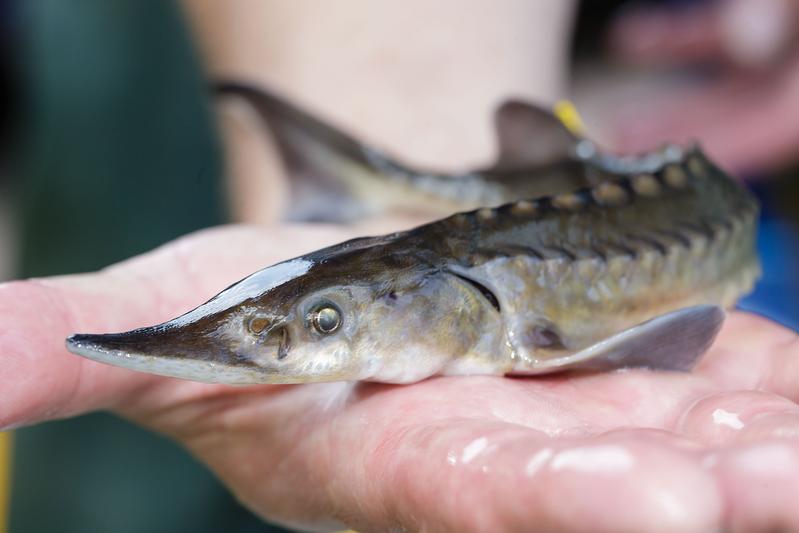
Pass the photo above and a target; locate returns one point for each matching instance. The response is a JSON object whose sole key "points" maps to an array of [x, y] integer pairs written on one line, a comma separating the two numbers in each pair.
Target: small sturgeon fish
{"points": [[632, 271], [328, 165]]}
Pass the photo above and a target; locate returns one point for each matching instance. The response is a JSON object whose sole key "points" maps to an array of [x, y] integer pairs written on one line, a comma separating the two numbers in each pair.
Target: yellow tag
{"points": [[568, 115], [5, 479]]}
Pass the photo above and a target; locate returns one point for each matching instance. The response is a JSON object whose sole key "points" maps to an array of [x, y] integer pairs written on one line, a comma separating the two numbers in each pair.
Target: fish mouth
{"points": [[172, 354]]}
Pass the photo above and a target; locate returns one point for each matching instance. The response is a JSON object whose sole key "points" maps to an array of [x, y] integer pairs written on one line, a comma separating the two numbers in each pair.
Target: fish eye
{"points": [[325, 319]]}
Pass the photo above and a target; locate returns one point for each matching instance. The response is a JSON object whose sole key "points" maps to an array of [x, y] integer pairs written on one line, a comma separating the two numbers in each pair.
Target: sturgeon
{"points": [[633, 270], [537, 155]]}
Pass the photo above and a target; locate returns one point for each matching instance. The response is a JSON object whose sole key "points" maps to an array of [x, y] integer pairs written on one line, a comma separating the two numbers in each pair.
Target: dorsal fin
{"points": [[530, 136]]}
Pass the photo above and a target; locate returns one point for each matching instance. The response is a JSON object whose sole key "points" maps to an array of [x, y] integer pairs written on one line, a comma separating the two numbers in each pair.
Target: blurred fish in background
{"points": [[115, 151]]}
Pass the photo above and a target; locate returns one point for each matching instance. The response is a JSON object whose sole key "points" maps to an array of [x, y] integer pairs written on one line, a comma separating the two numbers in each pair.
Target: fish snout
{"points": [[199, 356]]}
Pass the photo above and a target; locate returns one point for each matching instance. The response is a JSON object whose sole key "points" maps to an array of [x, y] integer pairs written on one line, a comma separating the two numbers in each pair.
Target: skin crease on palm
{"points": [[630, 450]]}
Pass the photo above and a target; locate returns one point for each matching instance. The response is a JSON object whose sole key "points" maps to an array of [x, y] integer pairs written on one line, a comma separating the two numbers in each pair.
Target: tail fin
{"points": [[317, 156], [290, 125], [329, 167]]}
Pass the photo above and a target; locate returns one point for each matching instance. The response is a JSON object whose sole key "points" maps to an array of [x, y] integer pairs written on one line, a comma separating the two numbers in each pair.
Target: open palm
{"points": [[625, 451]]}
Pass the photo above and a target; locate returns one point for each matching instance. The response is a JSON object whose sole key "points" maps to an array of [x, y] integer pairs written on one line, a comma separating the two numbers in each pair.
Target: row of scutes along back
{"points": [[612, 193]]}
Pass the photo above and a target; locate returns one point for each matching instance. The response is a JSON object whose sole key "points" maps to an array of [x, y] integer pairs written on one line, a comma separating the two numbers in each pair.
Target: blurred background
{"points": [[110, 145]]}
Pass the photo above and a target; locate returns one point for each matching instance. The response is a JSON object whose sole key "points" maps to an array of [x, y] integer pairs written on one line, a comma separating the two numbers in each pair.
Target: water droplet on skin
{"points": [[594, 459], [452, 457], [728, 419], [473, 449], [537, 461]]}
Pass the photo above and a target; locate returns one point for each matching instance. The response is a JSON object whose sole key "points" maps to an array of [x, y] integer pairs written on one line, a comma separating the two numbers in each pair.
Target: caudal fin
{"points": [[323, 163]]}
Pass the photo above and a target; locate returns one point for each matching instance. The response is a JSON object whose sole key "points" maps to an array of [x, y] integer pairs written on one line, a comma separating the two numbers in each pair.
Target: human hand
{"points": [[745, 115], [625, 451]]}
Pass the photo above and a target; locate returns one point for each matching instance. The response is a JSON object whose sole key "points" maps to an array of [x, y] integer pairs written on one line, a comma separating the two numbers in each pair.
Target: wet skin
{"points": [[716, 449]]}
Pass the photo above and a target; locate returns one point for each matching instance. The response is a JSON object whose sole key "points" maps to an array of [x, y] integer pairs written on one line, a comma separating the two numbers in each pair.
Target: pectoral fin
{"points": [[674, 341]]}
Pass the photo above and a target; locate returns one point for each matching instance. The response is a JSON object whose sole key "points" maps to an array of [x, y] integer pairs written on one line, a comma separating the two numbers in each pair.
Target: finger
{"points": [[754, 353], [508, 479], [759, 483], [42, 380], [377, 466], [355, 454]]}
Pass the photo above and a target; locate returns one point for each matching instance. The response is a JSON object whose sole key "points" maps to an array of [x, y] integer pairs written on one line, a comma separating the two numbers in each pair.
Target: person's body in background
{"points": [[632, 451], [743, 105], [420, 80], [725, 73]]}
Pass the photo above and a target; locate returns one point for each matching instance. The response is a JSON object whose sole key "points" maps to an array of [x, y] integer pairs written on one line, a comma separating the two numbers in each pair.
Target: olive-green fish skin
{"points": [[523, 288], [579, 266]]}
